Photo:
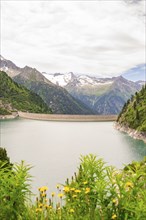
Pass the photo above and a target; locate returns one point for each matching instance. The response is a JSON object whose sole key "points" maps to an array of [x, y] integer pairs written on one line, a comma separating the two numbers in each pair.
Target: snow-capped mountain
{"points": [[56, 97], [85, 80], [102, 95], [60, 79], [81, 94], [135, 74], [65, 79]]}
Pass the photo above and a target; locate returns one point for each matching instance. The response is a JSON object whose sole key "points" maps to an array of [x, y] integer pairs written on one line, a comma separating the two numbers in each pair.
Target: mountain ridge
{"points": [[76, 94], [14, 98], [57, 98]]}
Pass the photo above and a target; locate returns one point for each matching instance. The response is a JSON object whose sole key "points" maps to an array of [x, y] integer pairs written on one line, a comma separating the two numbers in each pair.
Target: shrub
{"points": [[95, 192], [14, 191]]}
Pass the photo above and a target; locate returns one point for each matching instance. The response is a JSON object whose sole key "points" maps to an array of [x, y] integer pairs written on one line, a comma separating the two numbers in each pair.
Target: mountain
{"points": [[9, 67], [56, 97], [137, 73], [133, 114], [14, 97], [75, 94], [59, 79], [70, 79], [113, 100], [102, 95]]}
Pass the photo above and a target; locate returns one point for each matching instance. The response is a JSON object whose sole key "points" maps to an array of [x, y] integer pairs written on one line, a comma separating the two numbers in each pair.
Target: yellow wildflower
{"points": [[74, 196], [115, 201], [66, 189], [53, 194], [40, 205], [87, 190], [71, 211], [57, 186], [46, 206], [129, 184], [38, 210], [77, 191], [43, 194], [72, 189], [43, 188], [85, 183], [60, 195], [114, 216]]}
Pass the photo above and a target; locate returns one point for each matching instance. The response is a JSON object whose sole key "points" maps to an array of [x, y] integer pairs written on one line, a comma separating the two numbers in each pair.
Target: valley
{"points": [[102, 95], [79, 94]]}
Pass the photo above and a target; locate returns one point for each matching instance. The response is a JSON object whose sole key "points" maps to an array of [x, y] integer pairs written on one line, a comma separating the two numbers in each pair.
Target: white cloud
{"points": [[103, 37]]}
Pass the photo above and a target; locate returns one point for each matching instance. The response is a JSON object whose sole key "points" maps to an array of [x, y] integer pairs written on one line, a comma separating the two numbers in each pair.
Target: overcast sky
{"points": [[103, 37]]}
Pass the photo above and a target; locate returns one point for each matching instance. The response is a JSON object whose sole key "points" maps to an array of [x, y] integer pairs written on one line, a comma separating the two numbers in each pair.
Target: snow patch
{"points": [[58, 78], [82, 80]]}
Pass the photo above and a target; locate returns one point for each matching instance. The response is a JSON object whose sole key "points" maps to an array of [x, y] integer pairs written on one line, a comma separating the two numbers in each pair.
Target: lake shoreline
{"points": [[7, 117], [131, 132], [70, 118]]}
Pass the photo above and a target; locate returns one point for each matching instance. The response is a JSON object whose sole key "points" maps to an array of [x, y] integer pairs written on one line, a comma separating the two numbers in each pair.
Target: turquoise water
{"points": [[54, 148]]}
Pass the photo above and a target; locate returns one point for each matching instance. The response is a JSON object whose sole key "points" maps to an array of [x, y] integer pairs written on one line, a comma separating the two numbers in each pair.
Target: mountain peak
{"points": [[2, 58], [61, 79], [9, 67], [120, 78]]}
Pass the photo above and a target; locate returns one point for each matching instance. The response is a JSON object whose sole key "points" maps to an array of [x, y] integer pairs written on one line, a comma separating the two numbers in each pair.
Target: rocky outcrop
{"points": [[131, 132]]}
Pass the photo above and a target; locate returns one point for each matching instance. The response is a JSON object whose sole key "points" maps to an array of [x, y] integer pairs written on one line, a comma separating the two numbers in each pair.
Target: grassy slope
{"points": [[16, 97], [133, 113]]}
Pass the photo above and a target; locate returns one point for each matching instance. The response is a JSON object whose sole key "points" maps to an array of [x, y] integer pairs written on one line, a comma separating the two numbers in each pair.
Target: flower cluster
{"points": [[95, 192]]}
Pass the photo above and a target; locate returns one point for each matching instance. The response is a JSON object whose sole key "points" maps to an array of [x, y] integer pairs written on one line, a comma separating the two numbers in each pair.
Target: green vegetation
{"points": [[4, 111], [133, 114], [16, 97], [96, 192], [4, 159]]}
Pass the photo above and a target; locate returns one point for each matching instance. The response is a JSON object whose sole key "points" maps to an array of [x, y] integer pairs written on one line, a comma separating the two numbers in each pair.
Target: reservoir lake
{"points": [[54, 148]]}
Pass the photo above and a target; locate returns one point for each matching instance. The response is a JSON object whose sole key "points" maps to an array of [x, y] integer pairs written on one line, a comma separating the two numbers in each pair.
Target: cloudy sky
{"points": [[103, 37]]}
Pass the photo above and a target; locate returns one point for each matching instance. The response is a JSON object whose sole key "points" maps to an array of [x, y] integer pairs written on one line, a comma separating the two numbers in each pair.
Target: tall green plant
{"points": [[99, 191], [14, 191]]}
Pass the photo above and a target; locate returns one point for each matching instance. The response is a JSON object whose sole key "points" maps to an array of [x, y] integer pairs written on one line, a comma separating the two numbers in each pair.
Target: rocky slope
{"points": [[9, 67], [113, 100], [107, 96]]}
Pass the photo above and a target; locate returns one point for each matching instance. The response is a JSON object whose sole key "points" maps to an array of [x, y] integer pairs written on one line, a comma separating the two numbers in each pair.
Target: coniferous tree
{"points": [[137, 114]]}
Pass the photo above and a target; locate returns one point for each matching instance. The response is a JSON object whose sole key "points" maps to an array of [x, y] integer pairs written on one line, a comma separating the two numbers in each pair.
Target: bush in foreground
{"points": [[96, 192]]}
